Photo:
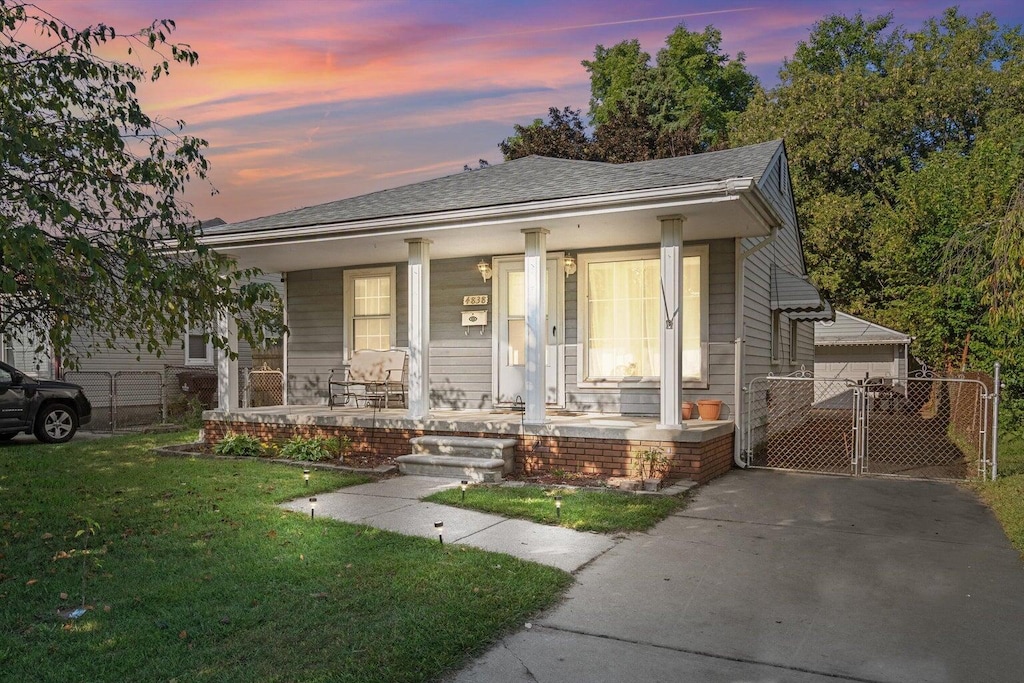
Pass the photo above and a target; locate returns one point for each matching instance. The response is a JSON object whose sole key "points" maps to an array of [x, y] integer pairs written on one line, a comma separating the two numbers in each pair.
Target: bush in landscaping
{"points": [[239, 444], [311, 449]]}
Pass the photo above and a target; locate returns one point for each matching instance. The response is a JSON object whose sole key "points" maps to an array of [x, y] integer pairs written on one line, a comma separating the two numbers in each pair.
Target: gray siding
{"points": [[315, 332]]}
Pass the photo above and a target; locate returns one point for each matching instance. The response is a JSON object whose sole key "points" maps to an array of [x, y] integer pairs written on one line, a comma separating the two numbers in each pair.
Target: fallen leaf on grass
{"points": [[106, 608], [47, 536], [183, 635], [63, 596], [31, 581], [272, 534]]}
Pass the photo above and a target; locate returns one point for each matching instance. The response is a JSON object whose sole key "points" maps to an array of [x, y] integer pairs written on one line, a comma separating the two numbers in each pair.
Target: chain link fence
{"points": [[177, 395], [922, 426]]}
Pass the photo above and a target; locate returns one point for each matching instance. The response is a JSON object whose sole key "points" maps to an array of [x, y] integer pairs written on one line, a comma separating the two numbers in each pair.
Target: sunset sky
{"points": [[307, 102]]}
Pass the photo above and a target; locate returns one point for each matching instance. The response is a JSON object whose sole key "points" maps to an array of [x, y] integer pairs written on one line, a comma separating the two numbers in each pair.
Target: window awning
{"points": [[793, 294]]}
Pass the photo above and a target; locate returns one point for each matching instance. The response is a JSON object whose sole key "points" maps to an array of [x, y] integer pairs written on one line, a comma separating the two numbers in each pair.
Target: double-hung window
{"points": [[198, 347], [370, 320], [622, 311]]}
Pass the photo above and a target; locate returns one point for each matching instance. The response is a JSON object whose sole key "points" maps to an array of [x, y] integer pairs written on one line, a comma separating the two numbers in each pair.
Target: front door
{"points": [[510, 332]]}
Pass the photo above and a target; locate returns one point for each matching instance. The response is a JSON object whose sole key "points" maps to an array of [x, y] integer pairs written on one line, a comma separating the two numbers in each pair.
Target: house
{"points": [[595, 297], [853, 348]]}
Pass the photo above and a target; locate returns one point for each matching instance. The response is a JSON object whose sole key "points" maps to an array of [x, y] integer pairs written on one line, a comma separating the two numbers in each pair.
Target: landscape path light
{"points": [[312, 508], [558, 507], [305, 475], [463, 486], [439, 526]]}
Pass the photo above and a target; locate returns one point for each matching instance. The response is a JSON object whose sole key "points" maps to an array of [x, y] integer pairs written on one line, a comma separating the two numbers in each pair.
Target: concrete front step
{"points": [[459, 457]]}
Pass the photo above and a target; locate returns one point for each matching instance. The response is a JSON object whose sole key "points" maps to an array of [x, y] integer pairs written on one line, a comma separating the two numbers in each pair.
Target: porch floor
{"points": [[497, 421]]}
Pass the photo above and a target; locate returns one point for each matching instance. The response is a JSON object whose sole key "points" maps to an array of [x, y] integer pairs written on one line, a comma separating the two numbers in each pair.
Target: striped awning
{"points": [[793, 293]]}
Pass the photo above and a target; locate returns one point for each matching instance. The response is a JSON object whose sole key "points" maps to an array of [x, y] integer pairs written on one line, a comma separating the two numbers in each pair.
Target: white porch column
{"points": [[419, 328], [536, 325], [672, 320], [227, 367]]}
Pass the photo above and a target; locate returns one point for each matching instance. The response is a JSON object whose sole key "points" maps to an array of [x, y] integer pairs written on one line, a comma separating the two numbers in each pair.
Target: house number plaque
{"points": [[475, 300]]}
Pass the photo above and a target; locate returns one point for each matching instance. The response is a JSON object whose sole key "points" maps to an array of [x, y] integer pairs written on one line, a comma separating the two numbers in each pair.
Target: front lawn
{"points": [[194, 574], [581, 510]]}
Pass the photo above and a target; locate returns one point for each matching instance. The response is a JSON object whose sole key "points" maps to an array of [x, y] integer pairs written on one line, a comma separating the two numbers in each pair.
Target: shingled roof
{"points": [[528, 179]]}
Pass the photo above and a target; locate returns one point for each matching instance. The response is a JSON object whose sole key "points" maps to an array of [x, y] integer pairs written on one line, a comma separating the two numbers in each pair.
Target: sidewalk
{"points": [[394, 505]]}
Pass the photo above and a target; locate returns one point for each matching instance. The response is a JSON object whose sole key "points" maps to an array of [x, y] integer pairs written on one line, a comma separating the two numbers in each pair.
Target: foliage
{"points": [[205, 577], [683, 103], [96, 240], [312, 449], [239, 445], [650, 463], [906, 150], [603, 512]]}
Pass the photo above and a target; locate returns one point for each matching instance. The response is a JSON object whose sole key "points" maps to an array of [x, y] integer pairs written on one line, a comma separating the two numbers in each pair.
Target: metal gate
{"points": [[921, 426]]}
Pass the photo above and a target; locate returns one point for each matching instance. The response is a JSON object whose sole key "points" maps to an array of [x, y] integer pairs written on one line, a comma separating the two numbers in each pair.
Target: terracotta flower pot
{"points": [[709, 409], [687, 410]]}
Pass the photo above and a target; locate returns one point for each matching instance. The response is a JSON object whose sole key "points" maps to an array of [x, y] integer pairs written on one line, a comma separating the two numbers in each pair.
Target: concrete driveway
{"points": [[770, 576]]}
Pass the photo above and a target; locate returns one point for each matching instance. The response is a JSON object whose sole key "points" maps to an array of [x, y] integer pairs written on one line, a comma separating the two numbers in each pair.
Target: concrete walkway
{"points": [[769, 576], [394, 504]]}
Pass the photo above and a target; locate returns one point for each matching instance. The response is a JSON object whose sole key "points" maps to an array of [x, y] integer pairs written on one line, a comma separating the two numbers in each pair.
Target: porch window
{"points": [[622, 313], [198, 347], [369, 309]]}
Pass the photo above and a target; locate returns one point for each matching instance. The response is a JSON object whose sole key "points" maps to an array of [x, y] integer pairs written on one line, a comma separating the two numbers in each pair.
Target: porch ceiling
{"points": [[572, 229]]}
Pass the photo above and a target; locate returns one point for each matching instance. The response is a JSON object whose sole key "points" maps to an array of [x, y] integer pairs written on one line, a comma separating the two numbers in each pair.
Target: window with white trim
{"points": [[621, 313], [370, 320], [198, 347]]}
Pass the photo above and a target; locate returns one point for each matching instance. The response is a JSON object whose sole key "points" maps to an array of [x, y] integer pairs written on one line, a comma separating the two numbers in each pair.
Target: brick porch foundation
{"points": [[580, 450]]}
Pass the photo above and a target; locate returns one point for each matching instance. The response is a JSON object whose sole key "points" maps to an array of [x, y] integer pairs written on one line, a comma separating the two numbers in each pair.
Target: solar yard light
{"points": [[312, 508], [440, 531], [463, 487], [305, 475], [558, 507]]}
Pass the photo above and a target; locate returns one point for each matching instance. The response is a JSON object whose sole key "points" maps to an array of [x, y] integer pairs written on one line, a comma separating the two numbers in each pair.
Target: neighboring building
{"points": [[855, 349], [566, 286]]}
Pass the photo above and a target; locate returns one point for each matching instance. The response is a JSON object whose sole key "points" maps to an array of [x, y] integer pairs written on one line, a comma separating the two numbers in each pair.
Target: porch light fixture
{"points": [[569, 265], [558, 507], [312, 508], [439, 526], [485, 269], [305, 475], [463, 486]]}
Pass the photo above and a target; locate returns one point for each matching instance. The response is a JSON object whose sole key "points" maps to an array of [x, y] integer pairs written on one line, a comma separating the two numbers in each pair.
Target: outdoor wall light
{"points": [[463, 486], [312, 508], [439, 526], [485, 269], [568, 265], [558, 507], [305, 475]]}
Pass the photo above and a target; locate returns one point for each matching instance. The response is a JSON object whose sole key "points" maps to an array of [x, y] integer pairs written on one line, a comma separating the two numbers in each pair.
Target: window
{"points": [[198, 347], [776, 335], [621, 311], [369, 309], [794, 332]]}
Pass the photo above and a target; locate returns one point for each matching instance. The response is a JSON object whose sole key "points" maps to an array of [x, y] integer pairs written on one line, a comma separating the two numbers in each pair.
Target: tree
{"points": [[95, 237], [684, 103], [562, 136]]}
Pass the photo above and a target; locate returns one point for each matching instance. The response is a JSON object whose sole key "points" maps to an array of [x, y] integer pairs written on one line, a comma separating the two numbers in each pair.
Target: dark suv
{"points": [[51, 410]]}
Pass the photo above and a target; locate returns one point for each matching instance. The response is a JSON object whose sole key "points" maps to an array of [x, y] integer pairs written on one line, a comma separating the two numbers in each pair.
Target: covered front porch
{"points": [[591, 444]]}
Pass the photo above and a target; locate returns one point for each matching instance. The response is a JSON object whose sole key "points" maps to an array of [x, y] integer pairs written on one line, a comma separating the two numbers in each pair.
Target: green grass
{"points": [[1006, 494], [581, 510], [196, 575]]}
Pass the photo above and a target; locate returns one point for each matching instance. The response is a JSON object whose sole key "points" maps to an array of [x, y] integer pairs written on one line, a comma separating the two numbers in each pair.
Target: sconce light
{"points": [[312, 508], [569, 265], [485, 269], [439, 526]]}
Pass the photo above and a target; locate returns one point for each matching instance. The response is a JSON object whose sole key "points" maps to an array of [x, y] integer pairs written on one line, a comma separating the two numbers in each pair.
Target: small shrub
{"points": [[650, 463], [311, 449], [239, 444]]}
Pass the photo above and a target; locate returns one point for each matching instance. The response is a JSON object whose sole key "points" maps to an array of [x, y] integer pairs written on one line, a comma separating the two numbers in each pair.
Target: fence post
{"points": [[995, 422]]}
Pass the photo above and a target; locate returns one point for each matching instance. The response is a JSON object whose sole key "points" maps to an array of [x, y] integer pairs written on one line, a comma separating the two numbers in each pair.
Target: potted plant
{"points": [[687, 410], [650, 465], [709, 408]]}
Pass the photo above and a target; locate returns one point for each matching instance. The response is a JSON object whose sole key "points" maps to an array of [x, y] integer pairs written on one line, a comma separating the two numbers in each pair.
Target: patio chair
{"points": [[370, 378]]}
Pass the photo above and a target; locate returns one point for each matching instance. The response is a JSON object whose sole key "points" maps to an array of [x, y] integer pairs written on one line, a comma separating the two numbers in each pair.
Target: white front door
{"points": [[510, 330]]}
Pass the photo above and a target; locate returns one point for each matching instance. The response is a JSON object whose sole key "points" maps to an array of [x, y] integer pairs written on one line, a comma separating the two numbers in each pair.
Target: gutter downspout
{"points": [[738, 358]]}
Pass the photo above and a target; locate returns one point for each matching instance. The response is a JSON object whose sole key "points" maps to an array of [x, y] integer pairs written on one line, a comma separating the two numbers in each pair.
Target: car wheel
{"points": [[8, 436], [56, 424]]}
